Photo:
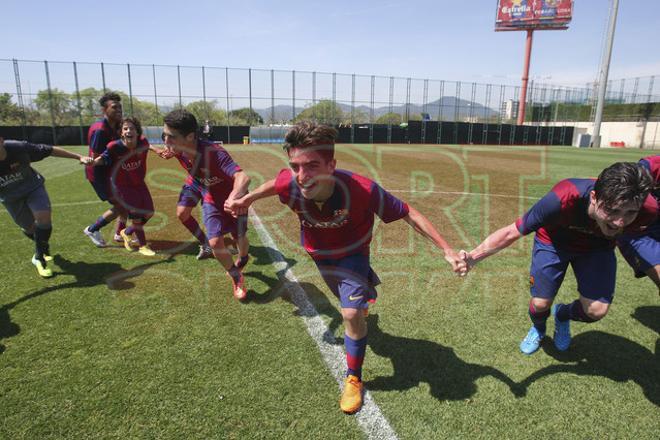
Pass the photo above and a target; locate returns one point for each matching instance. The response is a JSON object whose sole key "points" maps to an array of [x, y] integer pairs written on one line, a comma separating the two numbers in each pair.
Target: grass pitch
{"points": [[118, 345]]}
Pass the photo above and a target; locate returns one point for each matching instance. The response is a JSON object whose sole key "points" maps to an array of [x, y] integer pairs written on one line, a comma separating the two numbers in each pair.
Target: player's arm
{"points": [[425, 228], [495, 242], [241, 183], [61, 152], [267, 189]]}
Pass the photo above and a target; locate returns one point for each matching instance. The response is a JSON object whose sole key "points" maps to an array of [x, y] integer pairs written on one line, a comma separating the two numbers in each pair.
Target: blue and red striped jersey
{"points": [[343, 224], [100, 134], [561, 218]]}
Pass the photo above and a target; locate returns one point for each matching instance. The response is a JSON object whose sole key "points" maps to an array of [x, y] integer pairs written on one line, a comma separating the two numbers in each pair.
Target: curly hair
{"points": [[109, 96], [623, 182], [135, 122]]}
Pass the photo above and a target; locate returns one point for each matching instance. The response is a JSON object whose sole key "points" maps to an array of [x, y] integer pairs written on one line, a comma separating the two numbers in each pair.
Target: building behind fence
{"points": [[60, 99]]}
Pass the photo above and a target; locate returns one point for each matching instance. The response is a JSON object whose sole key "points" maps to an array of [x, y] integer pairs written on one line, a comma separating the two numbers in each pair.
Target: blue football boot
{"points": [[562, 332], [532, 341]]}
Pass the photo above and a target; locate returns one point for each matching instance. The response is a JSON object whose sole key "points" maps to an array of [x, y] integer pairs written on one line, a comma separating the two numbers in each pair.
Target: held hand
{"points": [[165, 153], [458, 265], [469, 261], [236, 207], [86, 160]]}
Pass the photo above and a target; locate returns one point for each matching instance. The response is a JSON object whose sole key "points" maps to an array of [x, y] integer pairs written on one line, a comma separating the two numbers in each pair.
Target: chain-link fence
{"points": [[54, 94]]}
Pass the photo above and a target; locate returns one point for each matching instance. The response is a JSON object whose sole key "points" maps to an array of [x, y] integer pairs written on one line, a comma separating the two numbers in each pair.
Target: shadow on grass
{"points": [[278, 286], [86, 275], [417, 360], [597, 353]]}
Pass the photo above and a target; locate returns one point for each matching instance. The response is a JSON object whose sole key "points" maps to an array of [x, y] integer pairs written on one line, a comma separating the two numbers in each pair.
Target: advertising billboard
{"points": [[533, 14]]}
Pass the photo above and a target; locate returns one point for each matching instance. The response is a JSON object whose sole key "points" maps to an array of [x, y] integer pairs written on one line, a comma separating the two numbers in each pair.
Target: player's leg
{"points": [[39, 205], [349, 279], [189, 197], [242, 242], [218, 224], [547, 272], [93, 231], [596, 277], [643, 253], [22, 215]]}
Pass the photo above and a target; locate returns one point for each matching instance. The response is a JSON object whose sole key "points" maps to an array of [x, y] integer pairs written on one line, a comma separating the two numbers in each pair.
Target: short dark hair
{"points": [[182, 121], [109, 96], [623, 182], [307, 134], [134, 121]]}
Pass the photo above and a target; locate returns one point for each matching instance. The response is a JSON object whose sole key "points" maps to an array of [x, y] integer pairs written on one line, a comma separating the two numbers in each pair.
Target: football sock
{"points": [[242, 261], [29, 235], [100, 222], [41, 237], [129, 230], [355, 350], [573, 311], [235, 273], [138, 228], [191, 224], [539, 319], [120, 225]]}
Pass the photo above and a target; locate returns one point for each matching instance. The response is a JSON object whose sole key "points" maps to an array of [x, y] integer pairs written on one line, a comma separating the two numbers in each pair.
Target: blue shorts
{"points": [[21, 209], [351, 279], [189, 196], [643, 251], [595, 272], [218, 223]]}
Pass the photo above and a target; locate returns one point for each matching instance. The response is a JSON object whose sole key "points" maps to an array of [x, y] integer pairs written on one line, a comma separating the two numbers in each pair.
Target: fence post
{"points": [[153, 72], [103, 78], [272, 96], [250, 95], [440, 111], [390, 110], [293, 95], [19, 94], [178, 81], [353, 109], [130, 88], [371, 112], [50, 103], [228, 111], [79, 105]]}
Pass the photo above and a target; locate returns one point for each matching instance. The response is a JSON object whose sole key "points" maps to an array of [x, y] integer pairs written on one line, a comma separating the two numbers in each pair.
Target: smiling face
{"points": [[313, 173], [612, 219], [129, 134]]}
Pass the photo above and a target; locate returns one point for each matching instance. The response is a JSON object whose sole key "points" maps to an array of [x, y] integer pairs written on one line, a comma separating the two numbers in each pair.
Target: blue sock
{"points": [[100, 222], [573, 311]]}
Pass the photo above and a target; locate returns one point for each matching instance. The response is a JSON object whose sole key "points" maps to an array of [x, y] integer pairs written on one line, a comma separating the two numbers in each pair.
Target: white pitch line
{"points": [[370, 418], [463, 193]]}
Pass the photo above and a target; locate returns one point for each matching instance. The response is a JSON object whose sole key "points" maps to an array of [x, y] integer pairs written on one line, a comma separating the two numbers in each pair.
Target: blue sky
{"points": [[436, 39]]}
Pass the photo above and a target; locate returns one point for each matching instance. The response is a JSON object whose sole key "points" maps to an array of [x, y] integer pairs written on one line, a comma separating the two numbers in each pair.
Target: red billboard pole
{"points": [[530, 15], [525, 78]]}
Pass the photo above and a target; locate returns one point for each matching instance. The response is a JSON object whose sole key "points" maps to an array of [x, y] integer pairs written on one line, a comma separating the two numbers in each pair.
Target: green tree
{"points": [[389, 118], [245, 116], [59, 104], [207, 110], [10, 113], [325, 112]]}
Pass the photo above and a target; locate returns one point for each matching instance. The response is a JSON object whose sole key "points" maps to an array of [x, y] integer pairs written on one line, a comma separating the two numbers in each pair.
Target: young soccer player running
{"points": [[336, 211], [100, 134], [189, 196], [576, 223], [643, 252], [214, 171], [127, 159], [23, 194]]}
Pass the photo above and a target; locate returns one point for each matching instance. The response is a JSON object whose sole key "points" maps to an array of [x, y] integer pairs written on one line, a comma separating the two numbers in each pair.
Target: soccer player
{"points": [[220, 178], [576, 223], [127, 159], [23, 193], [189, 197], [336, 212], [100, 134], [643, 252]]}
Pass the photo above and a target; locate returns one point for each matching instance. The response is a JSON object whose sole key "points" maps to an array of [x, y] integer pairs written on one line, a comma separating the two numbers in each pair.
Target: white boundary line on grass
{"points": [[370, 418]]}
